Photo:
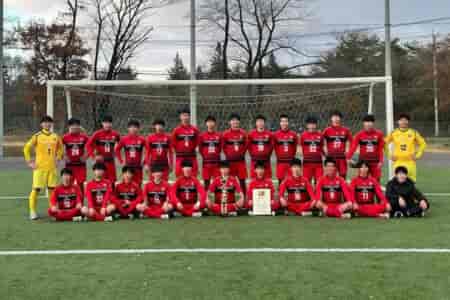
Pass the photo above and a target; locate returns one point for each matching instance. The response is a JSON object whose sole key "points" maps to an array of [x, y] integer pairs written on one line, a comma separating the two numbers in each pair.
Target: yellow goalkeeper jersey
{"points": [[47, 147], [407, 142]]}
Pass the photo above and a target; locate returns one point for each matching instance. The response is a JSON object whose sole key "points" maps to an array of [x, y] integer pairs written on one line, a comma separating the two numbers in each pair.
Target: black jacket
{"points": [[407, 190]]}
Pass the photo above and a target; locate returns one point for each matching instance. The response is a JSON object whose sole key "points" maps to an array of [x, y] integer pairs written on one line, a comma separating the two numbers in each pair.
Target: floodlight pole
{"points": [[193, 67], [2, 99], [388, 71]]}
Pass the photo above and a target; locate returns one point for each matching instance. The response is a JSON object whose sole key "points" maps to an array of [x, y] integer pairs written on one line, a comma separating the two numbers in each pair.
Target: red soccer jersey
{"points": [[364, 190], [298, 189], [103, 142], [157, 193], [127, 191], [260, 144], [98, 193], [258, 183], [336, 138], [210, 146], [74, 146], [286, 142], [188, 190], [225, 187], [185, 140], [332, 189], [371, 145], [159, 149], [312, 146], [234, 144], [134, 146], [66, 197]]}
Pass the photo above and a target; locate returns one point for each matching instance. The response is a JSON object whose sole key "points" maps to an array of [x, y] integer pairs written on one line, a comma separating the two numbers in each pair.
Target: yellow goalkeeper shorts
{"points": [[45, 178]]}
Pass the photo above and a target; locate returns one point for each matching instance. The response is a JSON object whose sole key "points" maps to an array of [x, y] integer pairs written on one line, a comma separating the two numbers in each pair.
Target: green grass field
{"points": [[225, 275]]}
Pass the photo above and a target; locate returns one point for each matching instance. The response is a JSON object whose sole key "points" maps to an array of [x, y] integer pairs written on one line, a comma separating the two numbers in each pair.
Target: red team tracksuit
{"points": [[185, 141], [134, 146], [157, 194], [260, 147], [66, 198], [98, 194], [336, 138], [210, 147], [159, 152], [364, 191], [234, 144], [126, 191], [312, 149], [371, 147], [74, 145], [224, 187], [265, 183], [300, 194], [188, 191], [103, 143], [285, 143], [333, 191]]}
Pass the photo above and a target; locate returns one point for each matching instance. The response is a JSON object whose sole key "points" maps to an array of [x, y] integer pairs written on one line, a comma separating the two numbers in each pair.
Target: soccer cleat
{"points": [[346, 216], [232, 214], [177, 214], [77, 219], [164, 217], [141, 216], [306, 214], [131, 216], [274, 213], [108, 219], [197, 214], [34, 216], [250, 213], [384, 216], [398, 214]]}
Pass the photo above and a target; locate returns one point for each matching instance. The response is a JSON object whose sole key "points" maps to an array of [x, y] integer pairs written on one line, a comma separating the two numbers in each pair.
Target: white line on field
{"points": [[225, 250]]}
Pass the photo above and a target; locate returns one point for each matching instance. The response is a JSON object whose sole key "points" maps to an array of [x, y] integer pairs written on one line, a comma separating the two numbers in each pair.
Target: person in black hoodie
{"points": [[406, 200]]}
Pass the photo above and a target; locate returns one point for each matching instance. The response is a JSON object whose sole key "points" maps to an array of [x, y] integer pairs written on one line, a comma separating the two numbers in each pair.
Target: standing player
{"points": [[185, 141], [371, 145], [261, 182], [260, 147], [332, 193], [48, 151], [224, 190], [66, 199], [286, 142], [364, 189], [300, 193], [75, 151], [188, 194], [311, 142], [127, 195], [101, 147], [409, 146], [337, 137], [234, 145], [159, 152], [134, 146], [210, 147], [156, 196]]}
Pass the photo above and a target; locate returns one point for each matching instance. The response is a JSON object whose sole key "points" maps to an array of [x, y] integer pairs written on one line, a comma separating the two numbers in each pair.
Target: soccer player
{"points": [[286, 142], [234, 145], [311, 143], [101, 147], [332, 193], [66, 199], [364, 189], [223, 190], [127, 195], [300, 193], [406, 200], [260, 147], [134, 146], [156, 196], [48, 150], [188, 194], [210, 147], [75, 151], [185, 141], [261, 182], [98, 192], [159, 152], [371, 145], [409, 146], [337, 137]]}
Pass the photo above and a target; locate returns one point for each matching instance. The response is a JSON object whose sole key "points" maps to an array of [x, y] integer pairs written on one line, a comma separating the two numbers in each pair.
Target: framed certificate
{"points": [[261, 202]]}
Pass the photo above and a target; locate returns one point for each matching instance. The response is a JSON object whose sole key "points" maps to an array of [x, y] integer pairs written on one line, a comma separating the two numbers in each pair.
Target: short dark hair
{"points": [[73, 121], [99, 166], [224, 164], [134, 123], [66, 171], [404, 116], [329, 160], [311, 120], [296, 162], [336, 113], [260, 117], [234, 116], [127, 169], [159, 122], [185, 110], [157, 169], [260, 164], [47, 119], [284, 116], [186, 164], [361, 163], [210, 118], [369, 118], [401, 169], [107, 119]]}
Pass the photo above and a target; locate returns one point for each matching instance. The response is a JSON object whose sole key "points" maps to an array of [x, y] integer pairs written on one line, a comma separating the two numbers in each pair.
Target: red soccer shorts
{"points": [[375, 170], [138, 175], [267, 169], [125, 211], [110, 172], [79, 174], [299, 207], [189, 209], [154, 211], [210, 170], [333, 210], [178, 162], [217, 208], [64, 214], [283, 170], [274, 205], [165, 171], [370, 210], [97, 216], [312, 170], [341, 164], [239, 169]]}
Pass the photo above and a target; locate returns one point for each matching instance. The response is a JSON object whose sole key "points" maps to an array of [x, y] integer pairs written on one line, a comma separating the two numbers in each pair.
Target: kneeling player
{"points": [[65, 202], [261, 182], [156, 196], [127, 195], [224, 189], [332, 193], [300, 194], [188, 194], [98, 194], [364, 188]]}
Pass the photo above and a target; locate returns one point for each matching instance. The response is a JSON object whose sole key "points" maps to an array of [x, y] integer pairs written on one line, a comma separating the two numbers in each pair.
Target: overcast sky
{"points": [[172, 32]]}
